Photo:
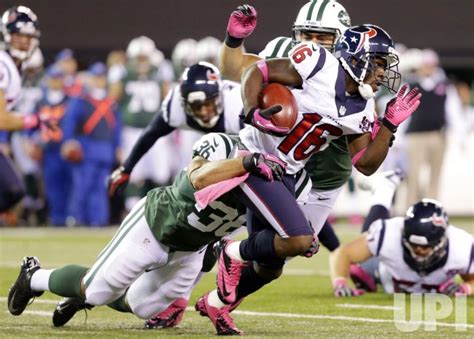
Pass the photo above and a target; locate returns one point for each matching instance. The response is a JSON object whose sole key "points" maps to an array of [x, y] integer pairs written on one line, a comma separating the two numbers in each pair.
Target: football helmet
{"points": [[357, 50], [208, 50], [425, 225], [20, 20], [184, 55], [200, 83], [322, 16], [141, 45]]}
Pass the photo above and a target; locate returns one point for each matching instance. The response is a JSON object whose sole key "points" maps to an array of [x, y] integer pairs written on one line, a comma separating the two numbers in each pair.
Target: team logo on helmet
{"points": [[438, 220], [355, 40], [344, 18], [212, 76], [12, 17]]}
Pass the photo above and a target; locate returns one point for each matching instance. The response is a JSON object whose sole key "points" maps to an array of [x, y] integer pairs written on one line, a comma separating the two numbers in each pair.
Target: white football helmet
{"points": [[208, 50], [322, 16], [141, 45], [184, 55]]}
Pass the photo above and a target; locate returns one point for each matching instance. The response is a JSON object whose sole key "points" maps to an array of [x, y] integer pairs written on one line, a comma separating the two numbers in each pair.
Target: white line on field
{"points": [[293, 315], [373, 307]]}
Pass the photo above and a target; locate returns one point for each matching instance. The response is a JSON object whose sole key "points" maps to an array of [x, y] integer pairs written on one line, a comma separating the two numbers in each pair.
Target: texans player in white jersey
{"points": [[420, 253], [333, 100], [202, 102], [21, 34]]}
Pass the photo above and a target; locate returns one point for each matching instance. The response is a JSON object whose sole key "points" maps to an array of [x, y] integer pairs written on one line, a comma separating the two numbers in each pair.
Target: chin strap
{"points": [[364, 90]]}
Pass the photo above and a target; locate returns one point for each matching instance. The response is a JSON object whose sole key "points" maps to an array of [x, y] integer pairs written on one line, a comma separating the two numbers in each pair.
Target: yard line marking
{"points": [[368, 306], [293, 315], [37, 301]]}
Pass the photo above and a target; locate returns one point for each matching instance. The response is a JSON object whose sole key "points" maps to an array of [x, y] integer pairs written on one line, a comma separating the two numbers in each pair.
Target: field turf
{"points": [[299, 304]]}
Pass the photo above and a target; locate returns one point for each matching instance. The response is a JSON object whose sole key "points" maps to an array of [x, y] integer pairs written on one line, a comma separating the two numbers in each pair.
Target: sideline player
{"points": [[21, 34], [333, 100], [166, 232], [420, 253]]}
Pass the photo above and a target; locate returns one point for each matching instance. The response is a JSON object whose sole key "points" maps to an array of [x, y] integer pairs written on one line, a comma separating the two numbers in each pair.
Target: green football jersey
{"points": [[328, 169], [141, 98], [174, 216]]}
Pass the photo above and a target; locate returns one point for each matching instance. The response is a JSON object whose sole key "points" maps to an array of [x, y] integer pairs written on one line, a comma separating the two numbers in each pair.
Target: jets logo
{"points": [[344, 18], [356, 40]]}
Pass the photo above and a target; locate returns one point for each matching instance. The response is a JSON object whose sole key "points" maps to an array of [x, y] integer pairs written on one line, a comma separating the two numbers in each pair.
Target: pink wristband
{"points": [[29, 121], [262, 66]]}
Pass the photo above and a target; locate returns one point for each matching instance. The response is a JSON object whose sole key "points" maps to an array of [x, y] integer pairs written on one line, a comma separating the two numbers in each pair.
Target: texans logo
{"points": [[355, 40], [438, 220], [212, 76]]}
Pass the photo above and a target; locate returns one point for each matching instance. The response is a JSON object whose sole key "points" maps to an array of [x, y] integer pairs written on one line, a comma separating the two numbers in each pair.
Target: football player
{"points": [[139, 88], [167, 233], [21, 34], [333, 96], [322, 22], [420, 253], [202, 102]]}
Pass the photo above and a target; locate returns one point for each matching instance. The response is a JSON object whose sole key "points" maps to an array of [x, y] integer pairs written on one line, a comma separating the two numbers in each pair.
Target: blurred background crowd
{"points": [[127, 84]]}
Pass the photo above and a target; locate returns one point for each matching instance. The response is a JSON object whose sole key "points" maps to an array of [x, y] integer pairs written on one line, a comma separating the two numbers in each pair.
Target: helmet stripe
{"points": [[310, 10], [321, 10]]}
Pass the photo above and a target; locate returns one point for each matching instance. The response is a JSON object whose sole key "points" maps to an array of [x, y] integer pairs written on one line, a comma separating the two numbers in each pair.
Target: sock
{"points": [[258, 246], [214, 300], [121, 305], [328, 238], [66, 281], [250, 282], [383, 194], [233, 251], [376, 212], [40, 280]]}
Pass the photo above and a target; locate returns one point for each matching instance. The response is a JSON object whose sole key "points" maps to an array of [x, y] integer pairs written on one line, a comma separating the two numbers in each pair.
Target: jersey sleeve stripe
{"points": [[319, 64], [277, 48], [321, 10], [168, 108], [227, 143], [382, 235], [287, 49]]}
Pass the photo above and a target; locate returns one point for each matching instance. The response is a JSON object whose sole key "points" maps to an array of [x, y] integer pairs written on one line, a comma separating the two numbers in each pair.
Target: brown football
{"points": [[278, 94]]}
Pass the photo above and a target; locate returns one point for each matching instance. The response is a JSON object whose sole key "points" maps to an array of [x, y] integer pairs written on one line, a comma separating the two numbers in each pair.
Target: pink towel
{"points": [[210, 193]]}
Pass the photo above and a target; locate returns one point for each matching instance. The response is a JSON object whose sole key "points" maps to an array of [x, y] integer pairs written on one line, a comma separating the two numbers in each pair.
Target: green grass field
{"points": [[299, 304]]}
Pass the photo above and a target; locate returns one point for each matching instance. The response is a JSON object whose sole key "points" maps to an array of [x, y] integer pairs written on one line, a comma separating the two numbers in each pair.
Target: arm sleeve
{"points": [[157, 128], [375, 236]]}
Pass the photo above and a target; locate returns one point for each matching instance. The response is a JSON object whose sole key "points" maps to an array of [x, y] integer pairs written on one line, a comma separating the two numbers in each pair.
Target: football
{"points": [[278, 94]]}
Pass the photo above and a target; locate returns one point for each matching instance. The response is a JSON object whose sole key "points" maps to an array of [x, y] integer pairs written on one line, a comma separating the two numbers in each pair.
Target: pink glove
{"points": [[261, 119], [242, 22], [401, 107], [30, 121], [266, 165], [342, 289], [449, 287]]}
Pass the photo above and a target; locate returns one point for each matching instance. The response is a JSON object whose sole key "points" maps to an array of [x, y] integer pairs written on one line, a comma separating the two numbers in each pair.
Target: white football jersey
{"points": [[10, 80], [230, 121], [385, 242], [325, 110]]}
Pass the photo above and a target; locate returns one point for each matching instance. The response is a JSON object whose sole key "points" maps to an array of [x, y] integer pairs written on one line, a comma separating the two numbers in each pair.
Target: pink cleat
{"points": [[220, 317], [170, 317]]}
